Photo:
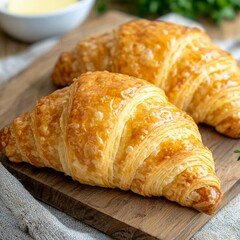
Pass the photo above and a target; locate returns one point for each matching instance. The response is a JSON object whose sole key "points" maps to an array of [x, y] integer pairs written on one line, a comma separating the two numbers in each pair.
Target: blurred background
{"points": [[213, 10], [219, 18]]}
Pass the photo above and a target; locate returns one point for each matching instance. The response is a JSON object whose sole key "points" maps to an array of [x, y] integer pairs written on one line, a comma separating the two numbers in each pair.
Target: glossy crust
{"points": [[196, 75], [117, 131]]}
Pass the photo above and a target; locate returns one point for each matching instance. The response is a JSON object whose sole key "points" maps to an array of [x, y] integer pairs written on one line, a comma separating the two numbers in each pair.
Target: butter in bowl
{"points": [[35, 20]]}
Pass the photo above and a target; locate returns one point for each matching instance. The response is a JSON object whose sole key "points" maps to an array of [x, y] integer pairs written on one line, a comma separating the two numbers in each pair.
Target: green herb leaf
{"points": [[237, 151], [101, 6], [216, 10]]}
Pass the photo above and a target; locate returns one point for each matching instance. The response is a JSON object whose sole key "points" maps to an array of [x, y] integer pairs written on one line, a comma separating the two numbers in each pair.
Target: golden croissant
{"points": [[117, 131], [196, 75]]}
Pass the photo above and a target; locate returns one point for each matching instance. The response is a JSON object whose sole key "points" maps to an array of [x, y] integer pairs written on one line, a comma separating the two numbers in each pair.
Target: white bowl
{"points": [[30, 28]]}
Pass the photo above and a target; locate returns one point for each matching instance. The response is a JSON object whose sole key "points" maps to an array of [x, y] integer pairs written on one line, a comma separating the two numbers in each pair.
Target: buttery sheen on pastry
{"points": [[196, 75], [117, 131]]}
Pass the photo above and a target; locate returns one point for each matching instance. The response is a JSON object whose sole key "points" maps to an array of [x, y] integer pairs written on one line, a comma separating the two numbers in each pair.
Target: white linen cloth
{"points": [[12, 65], [23, 217]]}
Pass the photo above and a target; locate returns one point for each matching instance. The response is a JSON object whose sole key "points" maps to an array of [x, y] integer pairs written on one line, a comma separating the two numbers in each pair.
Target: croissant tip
{"points": [[230, 127], [209, 200], [62, 68]]}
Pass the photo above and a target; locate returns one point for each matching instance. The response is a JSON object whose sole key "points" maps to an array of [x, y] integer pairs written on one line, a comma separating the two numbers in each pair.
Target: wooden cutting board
{"points": [[122, 215]]}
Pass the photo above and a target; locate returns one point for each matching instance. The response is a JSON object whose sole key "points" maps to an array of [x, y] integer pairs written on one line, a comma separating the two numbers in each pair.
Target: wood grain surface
{"points": [[9, 46], [122, 215]]}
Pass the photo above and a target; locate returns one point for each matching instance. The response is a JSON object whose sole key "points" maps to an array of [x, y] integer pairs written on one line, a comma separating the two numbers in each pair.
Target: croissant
{"points": [[196, 75], [117, 131]]}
